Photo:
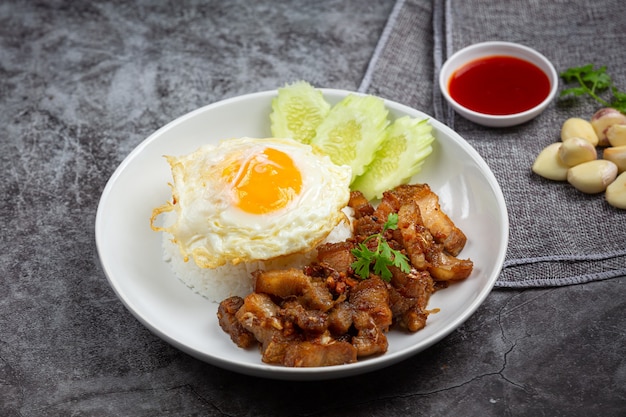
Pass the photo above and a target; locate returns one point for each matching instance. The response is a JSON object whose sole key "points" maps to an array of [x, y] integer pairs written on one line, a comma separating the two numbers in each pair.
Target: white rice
{"points": [[230, 280]]}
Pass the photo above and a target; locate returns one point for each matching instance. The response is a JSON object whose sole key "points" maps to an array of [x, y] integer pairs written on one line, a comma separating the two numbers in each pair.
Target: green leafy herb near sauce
{"points": [[593, 82]]}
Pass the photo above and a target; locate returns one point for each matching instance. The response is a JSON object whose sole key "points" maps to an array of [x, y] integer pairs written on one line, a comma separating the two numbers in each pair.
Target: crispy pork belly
{"points": [[444, 267], [260, 316], [312, 322], [361, 206], [324, 314], [440, 225], [407, 312], [388, 204], [408, 296], [423, 250], [228, 322], [367, 226], [370, 339], [415, 240], [372, 316], [337, 256], [294, 283], [317, 296], [340, 318], [415, 284], [275, 350], [307, 353], [289, 333], [371, 296], [281, 283]]}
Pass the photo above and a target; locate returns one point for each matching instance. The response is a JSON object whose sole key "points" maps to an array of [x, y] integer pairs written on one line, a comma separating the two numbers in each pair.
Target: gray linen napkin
{"points": [[558, 236]]}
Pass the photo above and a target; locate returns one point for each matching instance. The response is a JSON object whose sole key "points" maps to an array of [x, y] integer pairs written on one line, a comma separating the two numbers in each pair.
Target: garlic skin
{"points": [[592, 177], [616, 192], [549, 165]]}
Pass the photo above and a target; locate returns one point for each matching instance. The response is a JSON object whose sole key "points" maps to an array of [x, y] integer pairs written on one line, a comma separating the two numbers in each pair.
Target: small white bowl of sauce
{"points": [[498, 84]]}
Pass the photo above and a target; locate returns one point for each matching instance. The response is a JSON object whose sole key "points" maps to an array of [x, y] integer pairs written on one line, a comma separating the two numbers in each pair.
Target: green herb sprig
{"points": [[383, 257], [593, 82]]}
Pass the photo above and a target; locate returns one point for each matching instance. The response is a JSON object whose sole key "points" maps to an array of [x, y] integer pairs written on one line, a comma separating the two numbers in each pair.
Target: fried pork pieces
{"points": [[324, 314]]}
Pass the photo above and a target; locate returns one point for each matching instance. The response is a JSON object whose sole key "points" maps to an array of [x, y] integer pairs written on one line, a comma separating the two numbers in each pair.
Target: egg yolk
{"points": [[264, 182]]}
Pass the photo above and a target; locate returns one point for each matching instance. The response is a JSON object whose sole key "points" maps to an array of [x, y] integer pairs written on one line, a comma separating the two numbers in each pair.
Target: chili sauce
{"points": [[499, 85]]}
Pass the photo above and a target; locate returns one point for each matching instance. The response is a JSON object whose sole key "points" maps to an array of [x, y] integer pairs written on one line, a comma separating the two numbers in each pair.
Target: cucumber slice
{"points": [[401, 155], [352, 131], [297, 110]]}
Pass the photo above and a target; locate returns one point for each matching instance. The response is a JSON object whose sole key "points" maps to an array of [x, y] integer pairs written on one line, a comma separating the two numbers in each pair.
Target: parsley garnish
{"points": [[593, 82], [383, 257]]}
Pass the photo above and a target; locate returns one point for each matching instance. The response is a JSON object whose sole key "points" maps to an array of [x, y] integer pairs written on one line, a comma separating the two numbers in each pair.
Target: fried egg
{"points": [[251, 199]]}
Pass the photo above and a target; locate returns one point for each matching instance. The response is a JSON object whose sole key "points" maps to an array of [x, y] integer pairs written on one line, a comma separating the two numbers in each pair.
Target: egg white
{"points": [[210, 229]]}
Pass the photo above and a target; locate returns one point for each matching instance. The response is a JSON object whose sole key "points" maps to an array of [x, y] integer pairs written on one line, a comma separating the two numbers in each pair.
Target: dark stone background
{"points": [[81, 84]]}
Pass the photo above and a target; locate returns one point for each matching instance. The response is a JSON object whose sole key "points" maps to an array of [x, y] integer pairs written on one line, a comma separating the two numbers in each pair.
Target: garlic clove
{"points": [[549, 165], [575, 127], [616, 135], [616, 192], [575, 151], [617, 155], [592, 177], [602, 120]]}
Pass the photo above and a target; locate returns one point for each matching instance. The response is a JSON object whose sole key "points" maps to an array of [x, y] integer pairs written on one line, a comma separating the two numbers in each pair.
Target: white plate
{"points": [[130, 251]]}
